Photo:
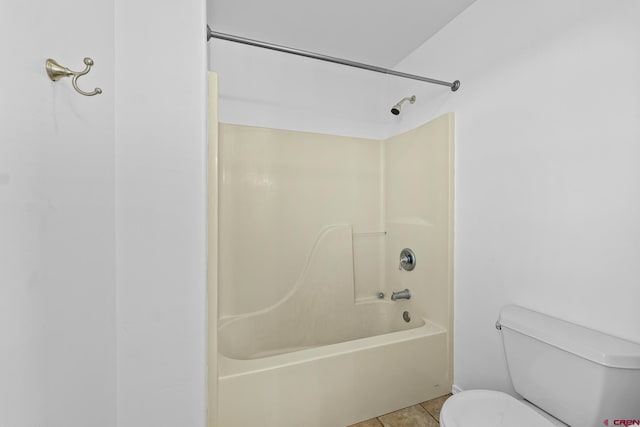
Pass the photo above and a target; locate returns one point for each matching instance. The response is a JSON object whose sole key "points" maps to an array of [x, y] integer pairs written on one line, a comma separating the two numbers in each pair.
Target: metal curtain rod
{"points": [[222, 36]]}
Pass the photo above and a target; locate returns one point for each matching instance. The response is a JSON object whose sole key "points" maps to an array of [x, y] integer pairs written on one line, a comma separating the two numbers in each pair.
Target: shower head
{"points": [[395, 110]]}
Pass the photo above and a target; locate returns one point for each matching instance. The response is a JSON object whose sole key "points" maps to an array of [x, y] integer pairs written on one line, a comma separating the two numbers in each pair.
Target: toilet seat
{"points": [[486, 408]]}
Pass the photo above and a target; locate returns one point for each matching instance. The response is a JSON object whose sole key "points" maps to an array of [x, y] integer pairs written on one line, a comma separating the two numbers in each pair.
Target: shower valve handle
{"points": [[404, 260], [407, 260]]}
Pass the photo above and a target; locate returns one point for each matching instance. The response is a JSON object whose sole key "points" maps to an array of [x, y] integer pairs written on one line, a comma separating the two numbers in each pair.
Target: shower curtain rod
{"points": [[222, 36]]}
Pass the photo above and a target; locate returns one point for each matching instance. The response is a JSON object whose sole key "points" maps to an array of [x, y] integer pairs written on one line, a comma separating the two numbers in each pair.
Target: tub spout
{"points": [[406, 294]]}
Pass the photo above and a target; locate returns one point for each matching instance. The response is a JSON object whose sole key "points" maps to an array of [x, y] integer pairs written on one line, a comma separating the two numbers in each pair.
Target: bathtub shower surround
{"points": [[279, 190], [310, 228], [318, 311]]}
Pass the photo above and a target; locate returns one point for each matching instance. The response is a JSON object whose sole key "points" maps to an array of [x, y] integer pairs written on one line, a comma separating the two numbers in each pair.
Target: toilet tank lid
{"points": [[587, 343]]}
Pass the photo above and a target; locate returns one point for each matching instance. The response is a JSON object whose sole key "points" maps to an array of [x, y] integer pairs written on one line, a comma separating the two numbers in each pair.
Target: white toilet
{"points": [[568, 374]]}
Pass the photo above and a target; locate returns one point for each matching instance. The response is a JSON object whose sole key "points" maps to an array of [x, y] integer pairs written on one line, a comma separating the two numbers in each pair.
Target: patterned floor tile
{"points": [[433, 406], [413, 416]]}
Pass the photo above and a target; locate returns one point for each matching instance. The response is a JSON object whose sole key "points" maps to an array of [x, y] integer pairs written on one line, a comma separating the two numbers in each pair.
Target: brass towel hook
{"points": [[56, 71]]}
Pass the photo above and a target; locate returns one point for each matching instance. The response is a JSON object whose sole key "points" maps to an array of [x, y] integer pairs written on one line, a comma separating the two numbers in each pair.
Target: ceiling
{"points": [[374, 32]]}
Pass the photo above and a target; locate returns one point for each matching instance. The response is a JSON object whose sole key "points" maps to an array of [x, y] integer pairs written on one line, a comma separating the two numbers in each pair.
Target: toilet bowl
{"points": [[487, 408]]}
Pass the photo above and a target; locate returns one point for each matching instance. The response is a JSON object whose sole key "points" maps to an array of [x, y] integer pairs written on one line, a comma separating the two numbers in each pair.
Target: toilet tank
{"points": [[580, 376]]}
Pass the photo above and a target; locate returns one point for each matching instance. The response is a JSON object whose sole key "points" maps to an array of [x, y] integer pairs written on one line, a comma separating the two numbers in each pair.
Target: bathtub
{"points": [[300, 329], [376, 364], [320, 357]]}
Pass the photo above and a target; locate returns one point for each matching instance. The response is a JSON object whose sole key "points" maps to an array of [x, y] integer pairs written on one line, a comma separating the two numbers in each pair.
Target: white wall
{"points": [[161, 212], [264, 88], [547, 167], [57, 219], [91, 186]]}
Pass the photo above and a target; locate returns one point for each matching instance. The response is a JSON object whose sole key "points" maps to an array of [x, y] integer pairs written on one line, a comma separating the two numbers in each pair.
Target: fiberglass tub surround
{"points": [[311, 229], [319, 310]]}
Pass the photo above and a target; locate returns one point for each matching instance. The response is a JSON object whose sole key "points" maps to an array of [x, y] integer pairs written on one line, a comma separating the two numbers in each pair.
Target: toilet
{"points": [[567, 374]]}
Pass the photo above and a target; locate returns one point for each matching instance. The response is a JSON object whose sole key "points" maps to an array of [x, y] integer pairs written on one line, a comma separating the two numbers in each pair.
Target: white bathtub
{"points": [[318, 358], [335, 384], [289, 329]]}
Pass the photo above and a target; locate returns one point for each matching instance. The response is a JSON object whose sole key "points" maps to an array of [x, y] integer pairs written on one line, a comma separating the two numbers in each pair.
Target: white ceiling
{"points": [[375, 32]]}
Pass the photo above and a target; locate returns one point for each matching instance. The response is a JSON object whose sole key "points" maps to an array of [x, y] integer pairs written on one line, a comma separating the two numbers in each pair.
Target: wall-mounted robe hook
{"points": [[56, 71]]}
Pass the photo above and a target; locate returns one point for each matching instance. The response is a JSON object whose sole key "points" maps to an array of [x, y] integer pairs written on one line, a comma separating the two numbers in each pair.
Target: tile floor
{"points": [[426, 414]]}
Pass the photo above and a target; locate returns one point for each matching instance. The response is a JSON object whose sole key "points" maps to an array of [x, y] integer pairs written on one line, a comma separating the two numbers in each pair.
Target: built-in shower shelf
{"points": [[411, 221], [370, 234]]}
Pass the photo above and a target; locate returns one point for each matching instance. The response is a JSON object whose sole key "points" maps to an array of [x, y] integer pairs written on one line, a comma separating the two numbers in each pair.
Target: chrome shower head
{"points": [[395, 110]]}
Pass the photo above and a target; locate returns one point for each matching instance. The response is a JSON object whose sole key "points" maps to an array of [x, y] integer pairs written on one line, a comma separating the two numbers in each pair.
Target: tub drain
{"points": [[406, 316]]}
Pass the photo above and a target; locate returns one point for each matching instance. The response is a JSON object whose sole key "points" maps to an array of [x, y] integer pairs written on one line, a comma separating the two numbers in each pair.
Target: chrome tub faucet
{"points": [[406, 294]]}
